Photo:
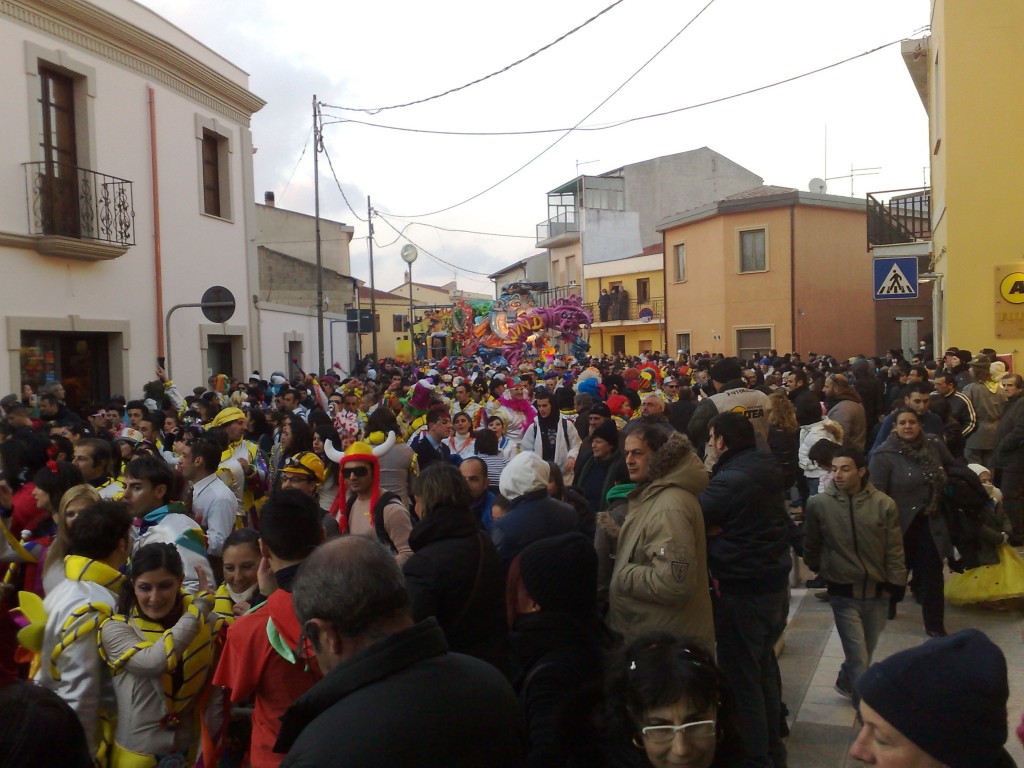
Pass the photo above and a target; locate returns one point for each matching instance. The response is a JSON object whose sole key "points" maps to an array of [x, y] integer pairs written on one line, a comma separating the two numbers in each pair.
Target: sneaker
{"points": [[843, 688], [823, 596]]}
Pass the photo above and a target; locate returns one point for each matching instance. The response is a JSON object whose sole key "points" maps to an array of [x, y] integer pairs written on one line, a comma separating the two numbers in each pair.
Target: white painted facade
{"points": [[94, 304], [288, 333]]}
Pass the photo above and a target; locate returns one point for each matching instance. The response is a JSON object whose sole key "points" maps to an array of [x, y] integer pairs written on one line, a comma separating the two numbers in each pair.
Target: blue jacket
{"points": [[531, 517]]}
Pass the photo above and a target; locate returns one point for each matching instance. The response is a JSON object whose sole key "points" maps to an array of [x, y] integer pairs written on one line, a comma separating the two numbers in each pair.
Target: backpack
{"points": [[378, 516]]}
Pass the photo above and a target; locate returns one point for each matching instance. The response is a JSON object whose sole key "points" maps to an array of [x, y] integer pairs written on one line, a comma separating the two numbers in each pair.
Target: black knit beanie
{"points": [[726, 369], [560, 573], [608, 432], [948, 696]]}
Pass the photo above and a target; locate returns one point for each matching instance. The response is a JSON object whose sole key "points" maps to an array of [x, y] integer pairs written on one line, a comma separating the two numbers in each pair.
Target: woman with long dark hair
{"points": [[160, 649], [910, 467], [296, 437], [328, 489], [668, 704]]}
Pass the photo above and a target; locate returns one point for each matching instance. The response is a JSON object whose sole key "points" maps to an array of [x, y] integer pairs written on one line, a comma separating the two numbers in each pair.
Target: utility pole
{"points": [[373, 290], [317, 146]]}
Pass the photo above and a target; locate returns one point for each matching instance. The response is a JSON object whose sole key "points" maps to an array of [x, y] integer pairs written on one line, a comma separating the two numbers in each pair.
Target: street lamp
{"points": [[409, 254]]}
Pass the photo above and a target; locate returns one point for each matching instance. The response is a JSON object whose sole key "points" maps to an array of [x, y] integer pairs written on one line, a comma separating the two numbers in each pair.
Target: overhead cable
{"points": [[376, 110], [618, 123], [419, 247], [551, 146]]}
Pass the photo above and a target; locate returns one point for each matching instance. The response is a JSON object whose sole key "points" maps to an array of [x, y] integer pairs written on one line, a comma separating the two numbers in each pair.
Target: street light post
{"points": [[409, 254]]}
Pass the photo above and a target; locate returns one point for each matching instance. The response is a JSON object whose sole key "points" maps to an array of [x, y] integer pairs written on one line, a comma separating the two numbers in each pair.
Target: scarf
{"points": [[921, 453], [90, 616], [184, 680], [226, 598]]}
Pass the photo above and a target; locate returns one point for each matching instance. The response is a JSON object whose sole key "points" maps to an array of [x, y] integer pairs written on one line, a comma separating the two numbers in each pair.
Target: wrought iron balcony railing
{"points": [[631, 311], [76, 202], [899, 216]]}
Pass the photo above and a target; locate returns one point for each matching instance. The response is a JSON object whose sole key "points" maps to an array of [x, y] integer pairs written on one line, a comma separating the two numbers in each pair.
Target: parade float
{"points": [[514, 327]]}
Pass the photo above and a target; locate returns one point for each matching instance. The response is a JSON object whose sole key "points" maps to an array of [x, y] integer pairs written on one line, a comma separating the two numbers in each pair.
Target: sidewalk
{"points": [[822, 721]]}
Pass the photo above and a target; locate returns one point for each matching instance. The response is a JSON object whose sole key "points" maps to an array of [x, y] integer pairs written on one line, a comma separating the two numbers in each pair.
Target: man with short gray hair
{"points": [[392, 694]]}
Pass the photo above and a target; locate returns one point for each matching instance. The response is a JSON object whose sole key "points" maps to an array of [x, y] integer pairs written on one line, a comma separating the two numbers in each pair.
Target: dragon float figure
{"points": [[564, 317]]}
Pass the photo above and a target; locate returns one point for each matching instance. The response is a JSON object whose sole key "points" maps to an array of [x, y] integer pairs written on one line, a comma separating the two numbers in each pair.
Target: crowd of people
{"points": [[464, 564]]}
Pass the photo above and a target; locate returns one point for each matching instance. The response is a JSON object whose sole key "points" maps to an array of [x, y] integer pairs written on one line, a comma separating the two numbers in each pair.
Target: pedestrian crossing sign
{"points": [[895, 278]]}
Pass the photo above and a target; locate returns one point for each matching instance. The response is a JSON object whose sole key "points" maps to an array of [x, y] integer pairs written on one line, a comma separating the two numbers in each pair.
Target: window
{"points": [[376, 322], [682, 342], [643, 289], [645, 346], [570, 270], [751, 341], [752, 251], [211, 174], [398, 323], [680, 253], [59, 177], [618, 345], [214, 149]]}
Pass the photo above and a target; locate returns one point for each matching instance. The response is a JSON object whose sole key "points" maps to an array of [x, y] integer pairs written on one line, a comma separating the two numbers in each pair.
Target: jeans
{"points": [[746, 630], [923, 559], [859, 623]]}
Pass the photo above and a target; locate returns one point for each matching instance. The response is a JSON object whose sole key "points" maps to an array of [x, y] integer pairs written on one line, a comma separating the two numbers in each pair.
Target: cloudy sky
{"points": [[378, 54]]}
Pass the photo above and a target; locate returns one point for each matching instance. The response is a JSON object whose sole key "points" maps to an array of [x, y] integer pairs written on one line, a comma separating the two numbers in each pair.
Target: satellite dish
{"points": [[817, 185]]}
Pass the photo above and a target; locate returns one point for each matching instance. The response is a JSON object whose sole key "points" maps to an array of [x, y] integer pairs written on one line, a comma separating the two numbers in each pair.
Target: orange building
{"points": [[770, 268]]}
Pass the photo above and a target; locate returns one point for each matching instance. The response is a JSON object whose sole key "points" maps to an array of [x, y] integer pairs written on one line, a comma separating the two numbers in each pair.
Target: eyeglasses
{"points": [[663, 734], [355, 471]]}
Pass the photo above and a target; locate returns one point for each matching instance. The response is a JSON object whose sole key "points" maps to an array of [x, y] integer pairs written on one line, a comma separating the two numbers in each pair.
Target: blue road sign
{"points": [[895, 278]]}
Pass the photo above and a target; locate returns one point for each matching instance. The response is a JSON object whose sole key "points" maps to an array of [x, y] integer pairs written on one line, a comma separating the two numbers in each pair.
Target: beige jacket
{"points": [[660, 580]]}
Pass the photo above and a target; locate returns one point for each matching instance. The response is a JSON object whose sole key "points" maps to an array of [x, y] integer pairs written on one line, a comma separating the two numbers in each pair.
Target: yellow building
{"points": [[967, 72], [391, 322], [633, 318]]}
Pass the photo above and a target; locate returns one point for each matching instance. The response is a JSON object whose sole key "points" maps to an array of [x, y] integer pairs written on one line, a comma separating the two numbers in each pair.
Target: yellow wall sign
{"points": [[1011, 288], [1009, 303]]}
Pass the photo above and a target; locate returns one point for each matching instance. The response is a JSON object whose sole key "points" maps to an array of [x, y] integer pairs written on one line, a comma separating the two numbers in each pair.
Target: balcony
{"points": [[634, 312], [899, 216], [78, 213]]}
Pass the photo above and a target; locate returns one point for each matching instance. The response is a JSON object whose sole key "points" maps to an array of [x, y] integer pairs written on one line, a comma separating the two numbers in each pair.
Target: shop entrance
{"points": [[78, 361]]}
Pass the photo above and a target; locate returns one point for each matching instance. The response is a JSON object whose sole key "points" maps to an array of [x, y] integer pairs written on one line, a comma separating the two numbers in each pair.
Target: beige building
{"points": [[391, 323]]}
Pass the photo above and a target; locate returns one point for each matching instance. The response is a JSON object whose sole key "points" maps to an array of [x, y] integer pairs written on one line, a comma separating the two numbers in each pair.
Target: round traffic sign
{"points": [[1011, 288], [218, 294]]}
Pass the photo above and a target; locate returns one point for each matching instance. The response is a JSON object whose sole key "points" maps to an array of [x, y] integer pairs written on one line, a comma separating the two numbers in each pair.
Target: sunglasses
{"points": [[355, 471]]}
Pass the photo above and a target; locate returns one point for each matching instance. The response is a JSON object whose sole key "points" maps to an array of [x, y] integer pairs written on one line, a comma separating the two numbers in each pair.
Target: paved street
{"points": [[822, 722]]}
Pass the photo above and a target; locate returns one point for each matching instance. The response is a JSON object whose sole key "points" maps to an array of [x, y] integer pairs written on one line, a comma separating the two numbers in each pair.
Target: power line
{"points": [[376, 110], [323, 146], [465, 231], [618, 123], [569, 131], [301, 155], [424, 250]]}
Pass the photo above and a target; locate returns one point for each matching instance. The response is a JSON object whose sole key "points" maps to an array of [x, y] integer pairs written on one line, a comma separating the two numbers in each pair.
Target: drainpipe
{"points": [[157, 264], [792, 276]]}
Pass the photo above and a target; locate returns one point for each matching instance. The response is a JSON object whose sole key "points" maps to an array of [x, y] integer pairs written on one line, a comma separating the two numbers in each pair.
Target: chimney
{"points": [[268, 199]]}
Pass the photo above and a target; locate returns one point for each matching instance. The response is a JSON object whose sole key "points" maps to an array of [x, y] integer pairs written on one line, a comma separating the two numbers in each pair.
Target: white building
{"points": [[125, 189]]}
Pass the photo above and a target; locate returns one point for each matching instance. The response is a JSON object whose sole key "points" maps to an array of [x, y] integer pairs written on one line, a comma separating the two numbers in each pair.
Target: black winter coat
{"points": [[455, 575], [557, 661], [406, 701], [745, 500]]}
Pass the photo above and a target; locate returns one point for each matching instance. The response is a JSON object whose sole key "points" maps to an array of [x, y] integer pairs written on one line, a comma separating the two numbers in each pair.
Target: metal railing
{"points": [[899, 216], [76, 202], [558, 225], [633, 310]]}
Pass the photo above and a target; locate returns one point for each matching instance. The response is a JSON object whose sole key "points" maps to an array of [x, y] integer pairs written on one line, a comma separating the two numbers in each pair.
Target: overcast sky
{"points": [[377, 54]]}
